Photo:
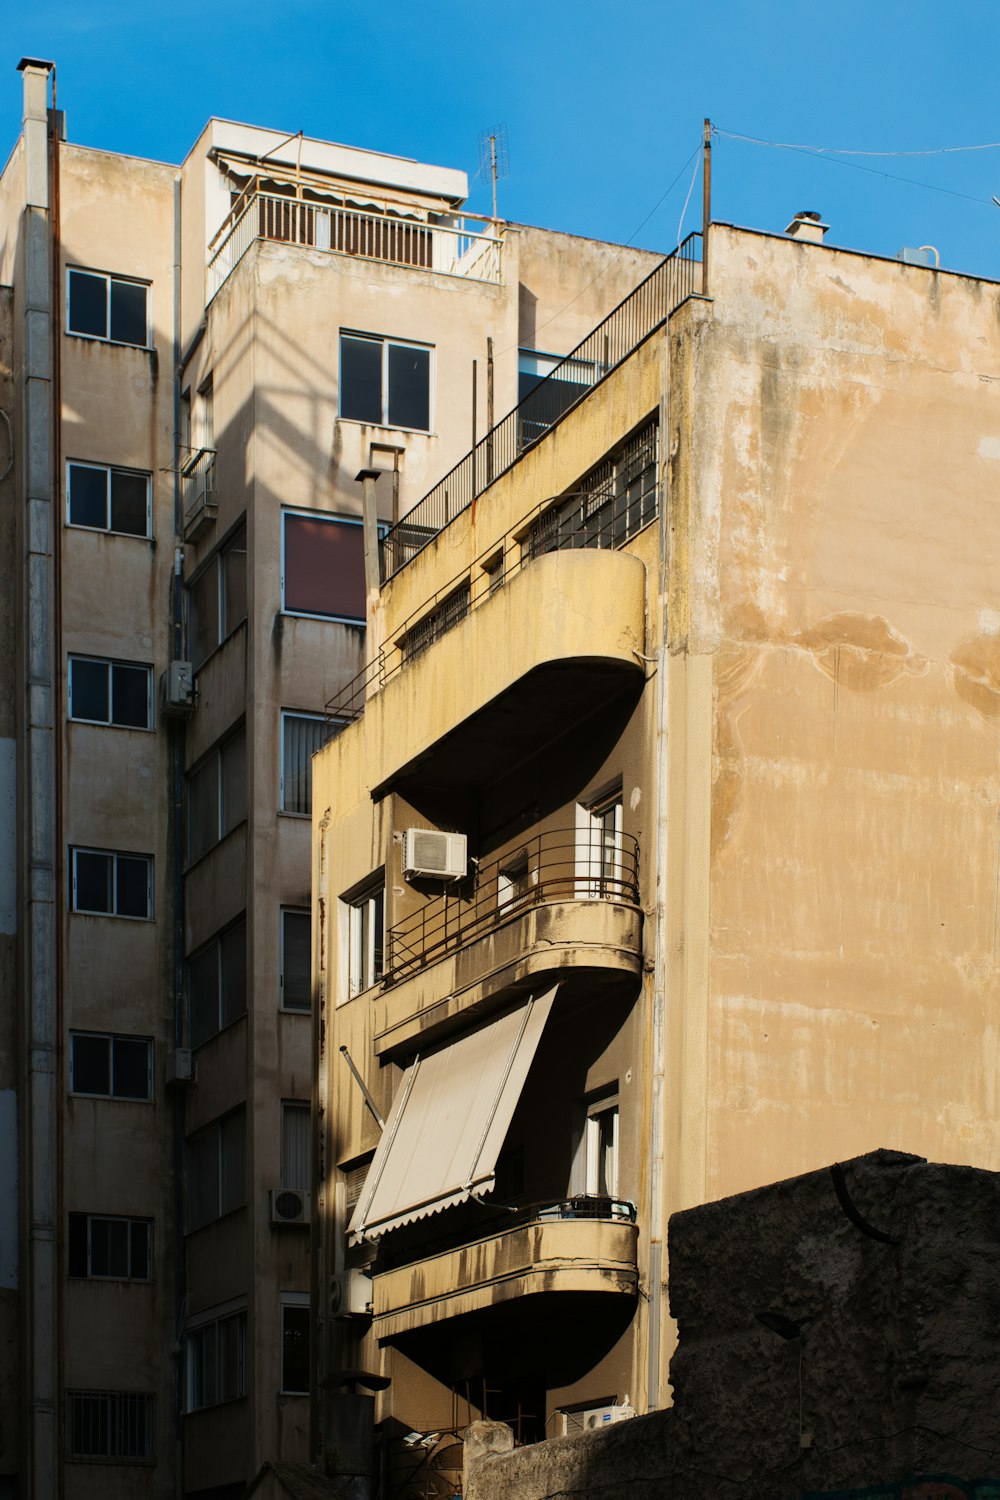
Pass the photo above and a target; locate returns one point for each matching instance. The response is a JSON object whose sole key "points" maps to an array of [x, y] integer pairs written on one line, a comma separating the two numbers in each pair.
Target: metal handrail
{"points": [[643, 311], [507, 555], [590, 1206], [551, 865]]}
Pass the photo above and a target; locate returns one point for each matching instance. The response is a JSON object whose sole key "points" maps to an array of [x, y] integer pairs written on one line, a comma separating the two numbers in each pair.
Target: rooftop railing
{"points": [[585, 864], [612, 341], [459, 245]]}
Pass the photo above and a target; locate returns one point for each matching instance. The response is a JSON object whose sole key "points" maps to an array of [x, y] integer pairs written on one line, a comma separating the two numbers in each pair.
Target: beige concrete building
{"points": [[196, 361], [660, 860]]}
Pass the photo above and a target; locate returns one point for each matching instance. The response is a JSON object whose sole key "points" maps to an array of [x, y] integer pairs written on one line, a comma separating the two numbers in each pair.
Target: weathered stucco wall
{"points": [[837, 422]]}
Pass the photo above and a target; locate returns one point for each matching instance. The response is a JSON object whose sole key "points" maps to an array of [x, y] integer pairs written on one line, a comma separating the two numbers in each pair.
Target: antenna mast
{"points": [[493, 157]]}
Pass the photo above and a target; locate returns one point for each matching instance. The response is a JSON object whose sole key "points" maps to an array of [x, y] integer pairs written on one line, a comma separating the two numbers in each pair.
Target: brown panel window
{"points": [[324, 567]]}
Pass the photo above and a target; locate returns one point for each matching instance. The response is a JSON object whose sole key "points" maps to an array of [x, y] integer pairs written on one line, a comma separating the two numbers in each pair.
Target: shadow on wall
{"points": [[837, 1339]]}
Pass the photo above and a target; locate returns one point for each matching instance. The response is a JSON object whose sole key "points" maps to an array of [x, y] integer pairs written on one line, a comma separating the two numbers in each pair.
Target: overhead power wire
{"points": [[757, 140], [627, 243], [825, 153]]}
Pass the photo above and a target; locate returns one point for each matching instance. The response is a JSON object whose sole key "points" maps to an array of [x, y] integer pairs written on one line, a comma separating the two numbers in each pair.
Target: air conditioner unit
{"points": [[200, 514], [289, 1206], [179, 1067], [431, 855], [594, 1418], [177, 689], [351, 1294]]}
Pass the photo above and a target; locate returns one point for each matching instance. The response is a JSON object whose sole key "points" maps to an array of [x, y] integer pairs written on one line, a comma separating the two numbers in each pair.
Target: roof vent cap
{"points": [[808, 225]]}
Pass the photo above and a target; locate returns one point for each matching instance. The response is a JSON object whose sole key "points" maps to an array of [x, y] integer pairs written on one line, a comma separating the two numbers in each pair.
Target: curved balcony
{"points": [[547, 649], [575, 1246], [558, 905]]}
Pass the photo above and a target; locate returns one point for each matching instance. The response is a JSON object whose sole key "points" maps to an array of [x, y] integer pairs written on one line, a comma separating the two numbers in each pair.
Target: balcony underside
{"points": [[581, 942], [507, 732], [523, 1271], [554, 645]]}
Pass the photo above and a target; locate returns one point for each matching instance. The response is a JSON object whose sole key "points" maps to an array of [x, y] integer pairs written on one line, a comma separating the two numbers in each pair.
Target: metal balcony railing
{"points": [[615, 503], [503, 1217], [611, 342], [458, 245], [575, 864], [198, 474]]}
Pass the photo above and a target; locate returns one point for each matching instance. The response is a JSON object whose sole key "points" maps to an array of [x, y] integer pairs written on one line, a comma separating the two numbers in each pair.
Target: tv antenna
{"points": [[493, 157]]}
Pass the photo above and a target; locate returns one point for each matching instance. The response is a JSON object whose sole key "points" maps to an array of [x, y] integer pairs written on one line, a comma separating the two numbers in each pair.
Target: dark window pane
{"points": [[139, 1267], [88, 496], [99, 1248], [117, 1246], [203, 1178], [129, 696], [203, 808], [88, 304], [324, 567], [233, 773], [230, 1344], [131, 1063], [233, 948], [93, 882], [90, 1064], [88, 690], [77, 1244], [295, 977], [203, 994], [361, 379], [203, 615], [128, 313], [295, 1349], [409, 387], [232, 1192], [132, 898], [129, 502], [234, 582]]}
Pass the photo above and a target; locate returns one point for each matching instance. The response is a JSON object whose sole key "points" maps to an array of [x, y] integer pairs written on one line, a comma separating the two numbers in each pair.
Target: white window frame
{"points": [[596, 1108], [387, 341], [516, 879], [110, 277], [129, 1219], [196, 1327], [361, 946], [107, 470], [111, 1037], [591, 825], [109, 662], [297, 1300], [115, 855], [294, 911]]}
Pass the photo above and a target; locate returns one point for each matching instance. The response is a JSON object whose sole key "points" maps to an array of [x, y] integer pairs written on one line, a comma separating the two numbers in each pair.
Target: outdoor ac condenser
{"points": [[431, 855]]}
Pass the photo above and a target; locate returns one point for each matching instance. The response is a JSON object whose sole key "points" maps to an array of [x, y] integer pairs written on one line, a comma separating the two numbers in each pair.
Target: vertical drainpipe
{"points": [[40, 800], [177, 740], [657, 1111]]}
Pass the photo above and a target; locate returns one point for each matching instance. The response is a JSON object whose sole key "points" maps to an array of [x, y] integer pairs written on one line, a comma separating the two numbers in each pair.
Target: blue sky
{"points": [[603, 102]]}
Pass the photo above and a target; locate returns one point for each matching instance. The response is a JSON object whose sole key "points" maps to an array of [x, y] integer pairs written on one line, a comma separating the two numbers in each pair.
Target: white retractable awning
{"points": [[448, 1122]]}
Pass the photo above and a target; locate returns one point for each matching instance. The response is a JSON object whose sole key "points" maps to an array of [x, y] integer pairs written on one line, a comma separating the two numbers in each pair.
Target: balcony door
{"points": [[599, 847]]}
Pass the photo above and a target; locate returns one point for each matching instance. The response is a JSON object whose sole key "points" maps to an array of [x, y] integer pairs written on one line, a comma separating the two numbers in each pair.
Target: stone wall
{"points": [[837, 1333]]}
